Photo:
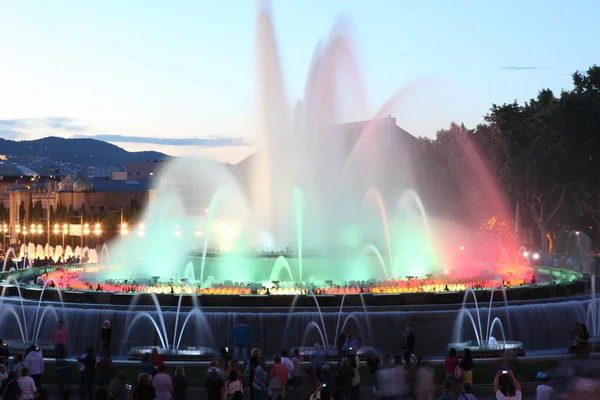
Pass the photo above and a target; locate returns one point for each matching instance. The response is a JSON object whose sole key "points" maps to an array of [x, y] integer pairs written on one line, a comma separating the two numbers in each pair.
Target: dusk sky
{"points": [[140, 70]]}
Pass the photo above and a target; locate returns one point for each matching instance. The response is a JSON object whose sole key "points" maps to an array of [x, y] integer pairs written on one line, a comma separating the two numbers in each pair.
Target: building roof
{"points": [[120, 186], [15, 170]]}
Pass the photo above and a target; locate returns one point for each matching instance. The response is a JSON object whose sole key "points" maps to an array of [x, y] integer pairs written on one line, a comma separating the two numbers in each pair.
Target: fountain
{"points": [[484, 345], [29, 329], [173, 349]]}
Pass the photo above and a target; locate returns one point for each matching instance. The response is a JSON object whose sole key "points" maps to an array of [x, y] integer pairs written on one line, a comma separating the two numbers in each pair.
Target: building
{"points": [[143, 170], [95, 198]]}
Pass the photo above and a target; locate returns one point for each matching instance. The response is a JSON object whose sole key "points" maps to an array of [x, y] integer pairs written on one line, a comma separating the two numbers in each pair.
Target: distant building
{"points": [[119, 176], [143, 170], [98, 197]]}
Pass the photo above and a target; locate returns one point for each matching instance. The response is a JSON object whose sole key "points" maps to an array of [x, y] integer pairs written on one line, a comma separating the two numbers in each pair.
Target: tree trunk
{"points": [[543, 232]]}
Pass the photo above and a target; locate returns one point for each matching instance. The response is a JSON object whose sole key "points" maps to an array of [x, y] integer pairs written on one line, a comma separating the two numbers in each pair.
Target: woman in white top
{"points": [[163, 384], [233, 385], [27, 385]]}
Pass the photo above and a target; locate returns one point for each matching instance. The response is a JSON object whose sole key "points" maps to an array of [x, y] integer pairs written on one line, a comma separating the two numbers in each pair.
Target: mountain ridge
{"points": [[87, 154]]}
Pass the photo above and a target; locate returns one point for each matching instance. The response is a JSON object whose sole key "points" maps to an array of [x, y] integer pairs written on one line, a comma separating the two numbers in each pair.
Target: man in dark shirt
{"points": [[408, 344]]}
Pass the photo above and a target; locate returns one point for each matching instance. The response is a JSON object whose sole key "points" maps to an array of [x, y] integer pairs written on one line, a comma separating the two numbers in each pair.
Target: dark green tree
{"points": [[580, 117], [535, 166]]}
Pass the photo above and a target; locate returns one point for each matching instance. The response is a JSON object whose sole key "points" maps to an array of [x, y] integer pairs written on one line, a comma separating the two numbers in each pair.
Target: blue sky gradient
{"points": [[185, 69]]}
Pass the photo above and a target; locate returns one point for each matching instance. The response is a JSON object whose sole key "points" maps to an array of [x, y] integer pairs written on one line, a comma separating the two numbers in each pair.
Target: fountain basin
{"points": [[362, 352], [183, 354], [18, 347], [489, 350]]}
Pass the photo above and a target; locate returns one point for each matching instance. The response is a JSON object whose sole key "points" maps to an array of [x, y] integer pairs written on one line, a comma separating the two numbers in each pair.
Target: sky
{"points": [[134, 71]]}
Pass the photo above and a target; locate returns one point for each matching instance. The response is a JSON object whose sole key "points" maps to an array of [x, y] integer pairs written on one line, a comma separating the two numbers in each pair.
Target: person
{"points": [[343, 340], [250, 369], [27, 385], [323, 392], [233, 385], [259, 381], [408, 345], [450, 364], [343, 380], [317, 359], [289, 364], [35, 363], [103, 393], [118, 387], [355, 389], [156, 358], [105, 336], [425, 382], [10, 389], [309, 382], [513, 390], [389, 380], [241, 339], [106, 369], [180, 384], [144, 390], [466, 394], [234, 365], [448, 391], [19, 365], [87, 367], [574, 342], [3, 370], [544, 390], [467, 366], [583, 349], [297, 373], [214, 383], [60, 338], [163, 384], [278, 378]]}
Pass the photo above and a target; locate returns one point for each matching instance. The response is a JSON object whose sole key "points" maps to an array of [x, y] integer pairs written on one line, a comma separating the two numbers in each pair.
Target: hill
{"points": [[90, 155]]}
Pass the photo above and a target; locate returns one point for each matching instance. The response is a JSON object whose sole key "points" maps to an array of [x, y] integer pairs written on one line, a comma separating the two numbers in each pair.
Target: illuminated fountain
{"points": [[484, 345], [173, 348], [318, 202], [29, 328]]}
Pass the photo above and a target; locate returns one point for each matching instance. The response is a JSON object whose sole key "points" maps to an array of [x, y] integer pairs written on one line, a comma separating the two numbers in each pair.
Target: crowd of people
{"points": [[290, 376]]}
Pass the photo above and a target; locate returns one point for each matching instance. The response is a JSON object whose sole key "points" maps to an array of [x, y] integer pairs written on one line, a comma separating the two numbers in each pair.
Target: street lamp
{"points": [[4, 231], [141, 230], [124, 230]]}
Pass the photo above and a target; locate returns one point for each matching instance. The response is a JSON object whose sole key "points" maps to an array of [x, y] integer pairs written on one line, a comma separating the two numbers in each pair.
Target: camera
{"points": [[505, 372]]}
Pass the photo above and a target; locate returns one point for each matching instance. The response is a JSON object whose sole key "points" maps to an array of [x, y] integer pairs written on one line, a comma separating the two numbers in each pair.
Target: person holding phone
{"points": [[513, 390]]}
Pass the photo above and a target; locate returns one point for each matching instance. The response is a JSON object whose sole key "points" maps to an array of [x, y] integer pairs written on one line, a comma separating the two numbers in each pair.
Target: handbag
{"points": [[275, 383], [458, 373]]}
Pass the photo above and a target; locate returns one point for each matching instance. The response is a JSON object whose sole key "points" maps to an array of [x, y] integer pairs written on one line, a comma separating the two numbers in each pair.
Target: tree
{"points": [[22, 212], [4, 214], [580, 115], [535, 165]]}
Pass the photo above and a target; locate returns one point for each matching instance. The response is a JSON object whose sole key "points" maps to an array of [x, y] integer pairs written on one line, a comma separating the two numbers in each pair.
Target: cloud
{"points": [[519, 68], [24, 128], [201, 142]]}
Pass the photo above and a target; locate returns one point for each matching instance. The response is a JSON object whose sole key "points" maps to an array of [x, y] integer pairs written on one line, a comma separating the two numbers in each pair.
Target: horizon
{"points": [[67, 75]]}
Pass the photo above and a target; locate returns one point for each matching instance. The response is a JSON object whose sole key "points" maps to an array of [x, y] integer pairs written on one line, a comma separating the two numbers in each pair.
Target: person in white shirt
{"points": [[289, 364], [163, 384], [27, 385], [513, 391], [544, 391], [35, 364], [19, 364]]}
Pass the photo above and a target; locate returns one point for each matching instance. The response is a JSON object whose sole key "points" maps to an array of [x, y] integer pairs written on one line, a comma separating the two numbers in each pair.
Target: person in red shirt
{"points": [[157, 359], [277, 378], [60, 338], [451, 364]]}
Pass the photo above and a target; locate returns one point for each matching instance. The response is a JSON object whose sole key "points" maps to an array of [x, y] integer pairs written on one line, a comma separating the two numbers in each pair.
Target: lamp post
{"points": [[4, 231]]}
